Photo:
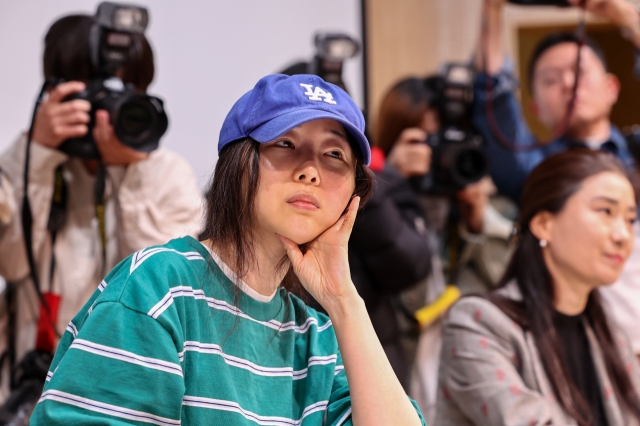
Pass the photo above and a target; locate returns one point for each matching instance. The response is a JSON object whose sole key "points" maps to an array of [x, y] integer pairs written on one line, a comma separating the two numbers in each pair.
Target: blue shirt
{"points": [[509, 168]]}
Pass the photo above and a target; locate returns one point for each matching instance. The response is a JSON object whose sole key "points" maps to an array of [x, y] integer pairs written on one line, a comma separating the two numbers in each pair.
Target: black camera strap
{"points": [[26, 214]]}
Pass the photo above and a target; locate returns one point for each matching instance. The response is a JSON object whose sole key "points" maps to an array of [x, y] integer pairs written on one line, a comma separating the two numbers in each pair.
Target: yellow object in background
{"points": [[430, 313]]}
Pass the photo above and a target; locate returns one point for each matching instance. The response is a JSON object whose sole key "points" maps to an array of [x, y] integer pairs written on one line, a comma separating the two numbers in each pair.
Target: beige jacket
{"points": [[491, 372], [147, 203]]}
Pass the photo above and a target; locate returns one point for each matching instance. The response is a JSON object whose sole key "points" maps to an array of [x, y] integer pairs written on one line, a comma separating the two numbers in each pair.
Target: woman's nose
{"points": [[308, 174], [621, 232]]}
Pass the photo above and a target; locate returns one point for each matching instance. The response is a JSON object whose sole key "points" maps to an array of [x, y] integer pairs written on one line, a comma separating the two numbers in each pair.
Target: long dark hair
{"points": [[548, 188], [230, 205]]}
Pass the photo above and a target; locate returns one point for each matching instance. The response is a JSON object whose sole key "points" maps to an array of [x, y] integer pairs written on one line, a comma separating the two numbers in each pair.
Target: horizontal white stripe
{"points": [[221, 305], [314, 360], [344, 418], [339, 368], [104, 408], [219, 404], [102, 285], [71, 328], [142, 255], [126, 356], [212, 348], [49, 376]]}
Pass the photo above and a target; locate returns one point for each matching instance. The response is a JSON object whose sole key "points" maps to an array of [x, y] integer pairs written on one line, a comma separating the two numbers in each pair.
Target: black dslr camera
{"points": [[457, 156], [139, 120]]}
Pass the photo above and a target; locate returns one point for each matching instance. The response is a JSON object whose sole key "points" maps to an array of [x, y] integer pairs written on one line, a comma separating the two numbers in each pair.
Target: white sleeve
{"points": [[44, 161], [158, 199]]}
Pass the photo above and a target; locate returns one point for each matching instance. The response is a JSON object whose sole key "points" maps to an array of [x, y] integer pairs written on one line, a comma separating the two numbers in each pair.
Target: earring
{"points": [[543, 243]]}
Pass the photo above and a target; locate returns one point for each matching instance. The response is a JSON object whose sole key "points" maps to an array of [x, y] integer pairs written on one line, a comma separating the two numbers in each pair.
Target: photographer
{"points": [[552, 78], [396, 247], [149, 197]]}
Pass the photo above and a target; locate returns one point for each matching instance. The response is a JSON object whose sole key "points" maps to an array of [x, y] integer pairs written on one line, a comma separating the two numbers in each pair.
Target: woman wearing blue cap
{"points": [[208, 332]]}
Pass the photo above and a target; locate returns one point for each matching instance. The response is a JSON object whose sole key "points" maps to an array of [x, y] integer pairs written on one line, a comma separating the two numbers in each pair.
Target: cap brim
{"points": [[280, 125]]}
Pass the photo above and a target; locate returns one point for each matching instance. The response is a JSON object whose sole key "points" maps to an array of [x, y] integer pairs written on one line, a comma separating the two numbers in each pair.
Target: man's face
{"points": [[553, 81]]}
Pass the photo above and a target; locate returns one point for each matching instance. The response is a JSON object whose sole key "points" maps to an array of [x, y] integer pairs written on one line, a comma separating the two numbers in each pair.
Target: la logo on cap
{"points": [[317, 94]]}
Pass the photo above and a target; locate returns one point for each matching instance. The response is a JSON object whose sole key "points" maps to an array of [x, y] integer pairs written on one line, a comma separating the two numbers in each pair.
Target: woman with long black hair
{"points": [[207, 332], [540, 350]]}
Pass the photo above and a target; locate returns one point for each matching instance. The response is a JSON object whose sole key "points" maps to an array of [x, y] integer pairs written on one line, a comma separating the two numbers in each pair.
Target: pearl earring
{"points": [[543, 243]]}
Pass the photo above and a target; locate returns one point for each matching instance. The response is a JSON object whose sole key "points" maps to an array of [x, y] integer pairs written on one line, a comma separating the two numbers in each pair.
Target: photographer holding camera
{"points": [[401, 241], [98, 190], [552, 80]]}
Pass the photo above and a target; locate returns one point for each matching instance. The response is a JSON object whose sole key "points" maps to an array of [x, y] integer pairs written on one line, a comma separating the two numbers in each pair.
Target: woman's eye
{"points": [[605, 210], [633, 220], [284, 144], [335, 154]]}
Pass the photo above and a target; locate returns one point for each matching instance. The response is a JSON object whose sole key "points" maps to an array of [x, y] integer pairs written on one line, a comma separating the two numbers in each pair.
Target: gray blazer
{"points": [[491, 372]]}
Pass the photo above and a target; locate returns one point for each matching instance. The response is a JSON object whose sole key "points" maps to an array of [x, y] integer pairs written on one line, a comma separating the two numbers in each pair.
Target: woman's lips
{"points": [[304, 202], [615, 258]]}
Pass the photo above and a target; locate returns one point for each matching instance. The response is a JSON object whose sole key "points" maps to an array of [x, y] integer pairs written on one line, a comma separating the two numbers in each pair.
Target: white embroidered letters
{"points": [[317, 94]]}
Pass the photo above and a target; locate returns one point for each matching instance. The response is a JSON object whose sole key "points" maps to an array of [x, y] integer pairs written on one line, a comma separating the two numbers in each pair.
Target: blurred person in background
{"points": [[552, 77], [149, 198], [399, 239], [541, 349]]}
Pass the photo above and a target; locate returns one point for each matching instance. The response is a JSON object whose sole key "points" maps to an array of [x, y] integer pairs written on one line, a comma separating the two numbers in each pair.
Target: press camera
{"points": [[457, 157], [139, 120]]}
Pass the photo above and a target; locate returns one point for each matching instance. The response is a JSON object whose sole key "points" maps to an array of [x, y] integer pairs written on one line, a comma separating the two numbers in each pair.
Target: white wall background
{"points": [[208, 53]]}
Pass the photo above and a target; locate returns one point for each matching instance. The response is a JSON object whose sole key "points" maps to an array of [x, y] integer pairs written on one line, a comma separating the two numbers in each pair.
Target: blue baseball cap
{"points": [[278, 103]]}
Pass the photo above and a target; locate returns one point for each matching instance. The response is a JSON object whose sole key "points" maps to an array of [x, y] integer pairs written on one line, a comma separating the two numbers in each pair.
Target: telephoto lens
{"points": [[138, 120]]}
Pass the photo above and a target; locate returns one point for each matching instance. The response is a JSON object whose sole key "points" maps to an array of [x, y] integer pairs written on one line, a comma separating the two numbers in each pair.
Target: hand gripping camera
{"points": [[457, 156], [139, 120]]}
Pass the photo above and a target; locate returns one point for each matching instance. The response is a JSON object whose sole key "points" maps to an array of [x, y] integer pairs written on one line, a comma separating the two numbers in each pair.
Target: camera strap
{"points": [[26, 214]]}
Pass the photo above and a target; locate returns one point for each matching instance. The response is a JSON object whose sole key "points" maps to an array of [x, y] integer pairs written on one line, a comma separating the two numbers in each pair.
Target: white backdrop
{"points": [[208, 53]]}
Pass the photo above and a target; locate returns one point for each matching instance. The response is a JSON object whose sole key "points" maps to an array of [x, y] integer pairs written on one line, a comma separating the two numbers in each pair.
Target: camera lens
{"points": [[136, 117]]}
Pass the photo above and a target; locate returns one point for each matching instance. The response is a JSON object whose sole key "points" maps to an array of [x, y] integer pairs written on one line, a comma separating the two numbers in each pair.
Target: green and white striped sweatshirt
{"points": [[169, 339]]}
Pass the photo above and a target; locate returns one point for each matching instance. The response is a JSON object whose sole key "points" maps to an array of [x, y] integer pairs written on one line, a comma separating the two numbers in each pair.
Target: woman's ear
{"points": [[541, 225]]}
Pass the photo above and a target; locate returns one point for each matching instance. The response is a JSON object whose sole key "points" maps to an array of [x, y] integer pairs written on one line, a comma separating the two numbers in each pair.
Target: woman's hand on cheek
{"points": [[324, 269]]}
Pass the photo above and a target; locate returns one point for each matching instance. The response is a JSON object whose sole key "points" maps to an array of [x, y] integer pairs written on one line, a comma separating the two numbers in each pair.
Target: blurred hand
{"points": [[619, 12], [410, 155], [473, 200], [111, 149], [57, 121]]}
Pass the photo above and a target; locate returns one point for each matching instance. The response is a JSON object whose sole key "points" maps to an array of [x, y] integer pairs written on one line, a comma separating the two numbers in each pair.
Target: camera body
{"points": [[139, 120], [457, 158]]}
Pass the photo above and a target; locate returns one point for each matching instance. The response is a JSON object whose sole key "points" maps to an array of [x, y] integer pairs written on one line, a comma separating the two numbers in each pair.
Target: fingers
{"points": [[346, 223], [412, 135], [102, 131], [293, 251], [63, 90], [75, 106]]}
